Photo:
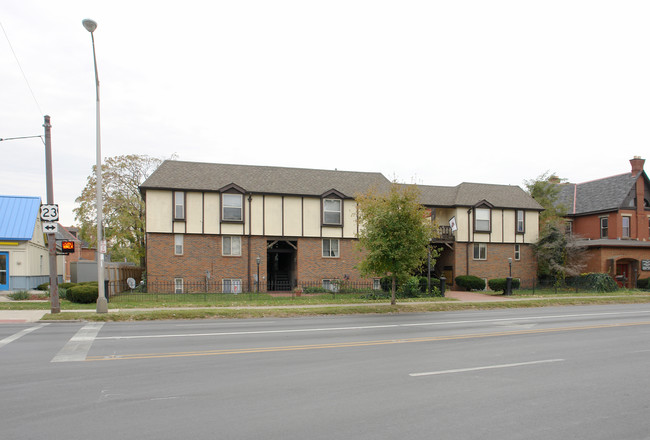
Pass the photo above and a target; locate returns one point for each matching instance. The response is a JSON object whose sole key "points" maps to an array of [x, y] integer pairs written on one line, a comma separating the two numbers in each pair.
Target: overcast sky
{"points": [[431, 92]]}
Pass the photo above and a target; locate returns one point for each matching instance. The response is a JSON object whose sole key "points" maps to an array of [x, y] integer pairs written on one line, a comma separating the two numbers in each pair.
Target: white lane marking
{"points": [[19, 335], [78, 346], [489, 367], [368, 327]]}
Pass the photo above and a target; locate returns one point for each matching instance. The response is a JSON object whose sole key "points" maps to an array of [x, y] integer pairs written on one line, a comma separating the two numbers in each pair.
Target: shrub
{"points": [[497, 284], [470, 282], [82, 294], [643, 283], [315, 289], [411, 288], [67, 285], [44, 286], [600, 282], [21, 295]]}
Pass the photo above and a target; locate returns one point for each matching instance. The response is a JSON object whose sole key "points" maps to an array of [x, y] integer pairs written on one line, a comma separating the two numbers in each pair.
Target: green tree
{"points": [[394, 233], [545, 189], [559, 255], [123, 207]]}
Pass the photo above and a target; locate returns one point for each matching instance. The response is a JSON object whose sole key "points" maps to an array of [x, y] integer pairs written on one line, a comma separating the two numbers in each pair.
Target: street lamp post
{"points": [[258, 260], [102, 303], [509, 279]]}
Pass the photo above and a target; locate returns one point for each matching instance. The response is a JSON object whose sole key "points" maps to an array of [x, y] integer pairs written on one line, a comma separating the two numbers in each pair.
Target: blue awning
{"points": [[18, 215]]}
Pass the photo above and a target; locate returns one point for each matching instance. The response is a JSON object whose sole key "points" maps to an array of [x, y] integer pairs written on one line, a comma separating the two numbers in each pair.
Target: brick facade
{"points": [[496, 264]]}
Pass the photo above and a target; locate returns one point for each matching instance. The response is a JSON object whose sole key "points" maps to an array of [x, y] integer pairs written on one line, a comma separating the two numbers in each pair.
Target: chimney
{"points": [[637, 164]]}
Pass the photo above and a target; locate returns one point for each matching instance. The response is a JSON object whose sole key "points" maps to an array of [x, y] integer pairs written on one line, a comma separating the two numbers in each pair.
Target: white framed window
{"points": [[178, 285], [521, 221], [331, 247], [625, 222], [480, 251], [482, 223], [178, 244], [604, 227], [517, 252], [331, 285], [332, 211], [231, 285], [232, 207], [376, 284], [568, 227], [231, 245], [179, 205]]}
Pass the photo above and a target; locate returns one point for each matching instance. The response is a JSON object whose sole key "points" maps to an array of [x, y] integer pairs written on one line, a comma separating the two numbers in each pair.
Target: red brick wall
{"points": [[496, 265], [313, 267], [202, 253]]}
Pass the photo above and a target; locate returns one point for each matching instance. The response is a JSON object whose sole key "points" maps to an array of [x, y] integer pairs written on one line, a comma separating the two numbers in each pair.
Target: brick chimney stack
{"points": [[637, 164]]}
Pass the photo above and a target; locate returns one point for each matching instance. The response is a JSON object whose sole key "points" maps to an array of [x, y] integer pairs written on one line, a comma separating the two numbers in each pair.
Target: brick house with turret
{"points": [[612, 215]]}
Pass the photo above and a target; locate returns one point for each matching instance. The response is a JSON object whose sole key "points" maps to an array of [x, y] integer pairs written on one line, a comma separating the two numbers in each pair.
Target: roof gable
{"points": [[18, 217], [608, 194]]}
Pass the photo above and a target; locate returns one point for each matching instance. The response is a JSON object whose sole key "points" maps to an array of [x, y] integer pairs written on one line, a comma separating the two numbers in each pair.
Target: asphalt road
{"points": [[546, 373]]}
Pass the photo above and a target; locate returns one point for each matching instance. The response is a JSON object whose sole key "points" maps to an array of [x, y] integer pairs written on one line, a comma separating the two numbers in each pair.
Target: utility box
{"points": [[81, 271]]}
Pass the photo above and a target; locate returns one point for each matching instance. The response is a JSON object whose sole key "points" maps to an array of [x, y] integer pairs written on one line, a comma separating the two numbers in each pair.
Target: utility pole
{"points": [[51, 238]]}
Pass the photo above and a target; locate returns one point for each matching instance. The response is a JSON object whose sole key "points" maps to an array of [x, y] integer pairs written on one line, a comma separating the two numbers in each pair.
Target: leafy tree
{"points": [[123, 207], [545, 189], [394, 234], [559, 255]]}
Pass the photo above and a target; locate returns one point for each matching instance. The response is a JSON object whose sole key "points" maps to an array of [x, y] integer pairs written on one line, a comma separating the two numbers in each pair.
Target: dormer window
{"points": [[332, 211], [232, 207], [482, 219]]}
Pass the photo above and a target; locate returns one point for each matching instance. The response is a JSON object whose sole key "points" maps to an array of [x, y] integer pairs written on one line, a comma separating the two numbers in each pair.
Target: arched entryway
{"points": [[281, 265]]}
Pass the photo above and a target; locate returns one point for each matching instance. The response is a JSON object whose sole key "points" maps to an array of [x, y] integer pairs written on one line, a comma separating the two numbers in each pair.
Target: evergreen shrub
{"points": [[470, 282], [497, 284], [82, 294], [599, 282]]}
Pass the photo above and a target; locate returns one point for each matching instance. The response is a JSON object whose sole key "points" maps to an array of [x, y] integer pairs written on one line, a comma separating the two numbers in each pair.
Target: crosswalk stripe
{"points": [[20, 334], [78, 346]]}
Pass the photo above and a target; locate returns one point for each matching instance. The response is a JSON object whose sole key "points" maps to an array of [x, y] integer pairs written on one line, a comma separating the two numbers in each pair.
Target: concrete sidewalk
{"points": [[24, 316]]}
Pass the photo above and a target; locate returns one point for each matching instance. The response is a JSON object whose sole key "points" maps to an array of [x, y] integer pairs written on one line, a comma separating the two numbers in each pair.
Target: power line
{"points": [[21, 70]]}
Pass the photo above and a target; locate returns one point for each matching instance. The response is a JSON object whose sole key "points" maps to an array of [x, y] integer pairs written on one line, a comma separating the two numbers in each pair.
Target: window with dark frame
{"points": [[232, 207], [604, 224], [332, 211], [482, 219], [179, 205], [521, 221]]}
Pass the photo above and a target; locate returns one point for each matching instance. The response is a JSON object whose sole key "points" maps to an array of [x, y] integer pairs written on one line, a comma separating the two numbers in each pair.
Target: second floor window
{"points": [[625, 221], [232, 207], [482, 219], [604, 225], [332, 211], [179, 205], [521, 221]]}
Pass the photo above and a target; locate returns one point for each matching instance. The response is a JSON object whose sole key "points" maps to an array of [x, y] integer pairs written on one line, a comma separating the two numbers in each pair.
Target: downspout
{"points": [[250, 200], [469, 225]]}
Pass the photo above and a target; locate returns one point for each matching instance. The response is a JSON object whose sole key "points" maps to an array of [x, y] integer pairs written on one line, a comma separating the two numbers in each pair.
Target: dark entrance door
{"points": [[281, 266]]}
